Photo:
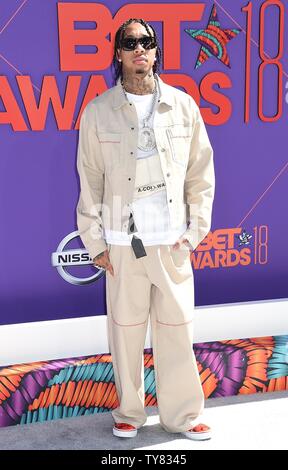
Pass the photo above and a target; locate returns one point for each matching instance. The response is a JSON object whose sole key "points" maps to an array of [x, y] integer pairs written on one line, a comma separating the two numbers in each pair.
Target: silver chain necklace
{"points": [[146, 137]]}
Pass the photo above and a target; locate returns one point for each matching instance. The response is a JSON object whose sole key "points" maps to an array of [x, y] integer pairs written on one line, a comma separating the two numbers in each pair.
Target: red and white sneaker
{"points": [[198, 432], [124, 430]]}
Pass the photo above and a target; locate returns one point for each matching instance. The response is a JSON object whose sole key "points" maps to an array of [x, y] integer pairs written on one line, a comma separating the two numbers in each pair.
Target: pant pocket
{"points": [[180, 256], [177, 263]]}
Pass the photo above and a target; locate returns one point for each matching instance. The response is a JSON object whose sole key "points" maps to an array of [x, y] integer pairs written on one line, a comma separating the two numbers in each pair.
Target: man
{"points": [[147, 187]]}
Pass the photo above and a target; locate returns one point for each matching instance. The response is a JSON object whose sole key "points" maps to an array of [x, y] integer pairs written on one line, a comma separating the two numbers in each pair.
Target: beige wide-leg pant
{"points": [[160, 284]]}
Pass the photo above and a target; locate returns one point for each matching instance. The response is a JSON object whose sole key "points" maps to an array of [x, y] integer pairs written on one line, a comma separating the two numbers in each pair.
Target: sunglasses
{"points": [[129, 44]]}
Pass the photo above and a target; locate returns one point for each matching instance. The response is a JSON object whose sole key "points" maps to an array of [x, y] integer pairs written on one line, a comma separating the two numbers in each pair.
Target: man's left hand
{"points": [[181, 240]]}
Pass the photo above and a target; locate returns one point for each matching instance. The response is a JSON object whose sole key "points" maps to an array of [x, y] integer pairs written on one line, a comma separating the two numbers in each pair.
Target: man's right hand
{"points": [[103, 260]]}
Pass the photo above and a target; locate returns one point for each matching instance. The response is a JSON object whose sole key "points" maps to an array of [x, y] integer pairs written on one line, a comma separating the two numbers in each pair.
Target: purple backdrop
{"points": [[40, 187]]}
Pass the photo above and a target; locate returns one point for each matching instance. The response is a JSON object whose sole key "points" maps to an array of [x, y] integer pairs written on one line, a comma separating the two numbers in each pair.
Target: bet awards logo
{"points": [[63, 258]]}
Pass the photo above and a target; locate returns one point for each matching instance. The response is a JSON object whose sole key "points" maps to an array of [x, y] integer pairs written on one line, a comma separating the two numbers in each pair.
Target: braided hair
{"points": [[117, 45]]}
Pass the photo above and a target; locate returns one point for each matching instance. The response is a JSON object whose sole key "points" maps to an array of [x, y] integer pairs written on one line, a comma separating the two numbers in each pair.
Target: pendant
{"points": [[146, 139]]}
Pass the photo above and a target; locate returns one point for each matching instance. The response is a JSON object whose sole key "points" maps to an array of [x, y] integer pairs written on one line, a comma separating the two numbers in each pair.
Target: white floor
{"points": [[257, 421], [240, 424]]}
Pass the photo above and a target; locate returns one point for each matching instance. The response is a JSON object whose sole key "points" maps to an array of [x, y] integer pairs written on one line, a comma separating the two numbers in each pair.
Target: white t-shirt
{"points": [[149, 206]]}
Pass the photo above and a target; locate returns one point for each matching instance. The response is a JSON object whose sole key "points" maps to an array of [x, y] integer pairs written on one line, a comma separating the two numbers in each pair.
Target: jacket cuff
{"points": [[98, 247]]}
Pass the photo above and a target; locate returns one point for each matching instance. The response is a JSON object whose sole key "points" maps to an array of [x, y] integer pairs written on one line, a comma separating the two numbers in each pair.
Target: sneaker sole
{"points": [[198, 436], [120, 433]]}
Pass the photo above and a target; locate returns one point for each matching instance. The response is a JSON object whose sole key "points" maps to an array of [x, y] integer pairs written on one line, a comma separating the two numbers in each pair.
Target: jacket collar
{"points": [[119, 99]]}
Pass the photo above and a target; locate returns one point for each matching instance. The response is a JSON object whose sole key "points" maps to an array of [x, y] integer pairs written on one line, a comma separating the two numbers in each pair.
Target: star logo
{"points": [[213, 40]]}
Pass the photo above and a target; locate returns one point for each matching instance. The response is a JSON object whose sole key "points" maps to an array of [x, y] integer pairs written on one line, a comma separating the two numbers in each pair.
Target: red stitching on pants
{"points": [[134, 324], [174, 324]]}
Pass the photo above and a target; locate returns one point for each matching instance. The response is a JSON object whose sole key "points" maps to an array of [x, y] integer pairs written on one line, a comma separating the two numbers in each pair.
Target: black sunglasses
{"points": [[129, 44]]}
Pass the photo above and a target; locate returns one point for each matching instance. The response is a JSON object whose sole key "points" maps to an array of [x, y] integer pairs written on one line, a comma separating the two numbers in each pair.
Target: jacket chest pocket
{"points": [[179, 139], [111, 146]]}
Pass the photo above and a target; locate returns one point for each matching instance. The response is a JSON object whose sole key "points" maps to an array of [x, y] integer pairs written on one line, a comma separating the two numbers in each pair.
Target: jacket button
{"points": [[170, 200], [132, 128], [168, 174], [162, 150], [131, 153], [129, 179]]}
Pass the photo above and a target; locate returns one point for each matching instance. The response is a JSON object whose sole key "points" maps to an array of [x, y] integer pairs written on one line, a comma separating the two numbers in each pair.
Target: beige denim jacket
{"points": [[106, 163]]}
